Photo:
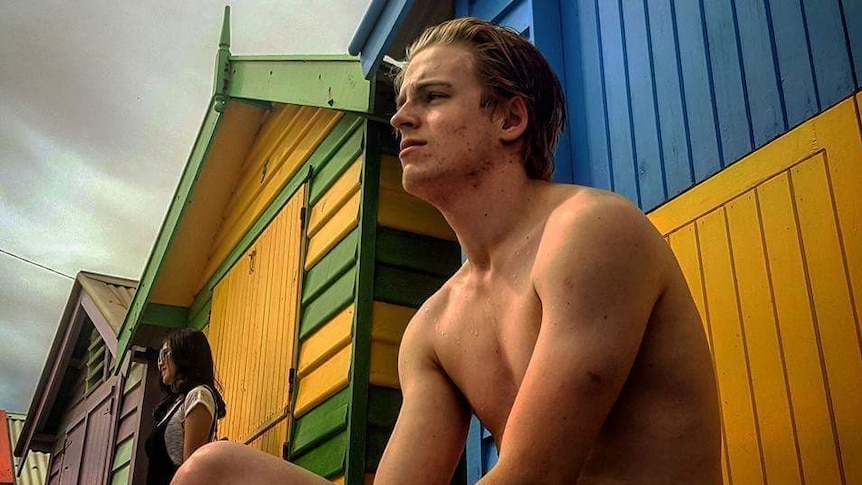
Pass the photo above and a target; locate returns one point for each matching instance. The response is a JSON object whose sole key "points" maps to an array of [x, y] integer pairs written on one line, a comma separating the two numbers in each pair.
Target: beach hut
{"points": [[291, 243], [91, 407]]}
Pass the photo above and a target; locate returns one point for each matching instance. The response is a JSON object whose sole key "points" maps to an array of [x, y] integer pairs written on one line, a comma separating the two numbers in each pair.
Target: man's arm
{"points": [[597, 276], [429, 436]]}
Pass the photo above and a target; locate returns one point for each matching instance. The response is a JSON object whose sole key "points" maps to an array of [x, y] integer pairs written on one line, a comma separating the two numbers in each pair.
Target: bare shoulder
{"points": [[590, 223]]}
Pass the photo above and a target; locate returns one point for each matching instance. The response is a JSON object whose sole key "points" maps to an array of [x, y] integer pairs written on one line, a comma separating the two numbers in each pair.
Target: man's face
{"points": [[445, 134]]}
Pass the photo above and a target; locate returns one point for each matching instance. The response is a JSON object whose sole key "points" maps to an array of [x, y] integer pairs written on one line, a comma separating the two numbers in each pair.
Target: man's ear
{"points": [[513, 119]]}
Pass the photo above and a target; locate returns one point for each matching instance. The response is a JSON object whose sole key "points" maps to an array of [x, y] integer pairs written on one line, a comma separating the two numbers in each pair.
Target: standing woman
{"points": [[187, 418]]}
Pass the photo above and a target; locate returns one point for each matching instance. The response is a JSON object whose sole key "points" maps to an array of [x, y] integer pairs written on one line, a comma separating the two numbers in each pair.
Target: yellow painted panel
{"points": [[836, 321], [684, 244], [795, 320], [252, 328], [384, 364], [292, 139], [729, 350], [333, 231], [325, 381], [389, 322], [765, 358], [399, 210], [324, 343], [794, 222], [335, 197]]}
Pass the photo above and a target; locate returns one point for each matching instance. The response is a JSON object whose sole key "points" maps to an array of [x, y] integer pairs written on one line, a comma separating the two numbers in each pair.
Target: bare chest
{"points": [[484, 341]]}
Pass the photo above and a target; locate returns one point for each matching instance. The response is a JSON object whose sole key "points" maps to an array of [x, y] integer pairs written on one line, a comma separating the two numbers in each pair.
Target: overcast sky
{"points": [[100, 102]]}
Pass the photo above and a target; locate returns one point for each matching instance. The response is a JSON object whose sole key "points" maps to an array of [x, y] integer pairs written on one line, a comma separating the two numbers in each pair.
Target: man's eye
{"points": [[433, 96]]}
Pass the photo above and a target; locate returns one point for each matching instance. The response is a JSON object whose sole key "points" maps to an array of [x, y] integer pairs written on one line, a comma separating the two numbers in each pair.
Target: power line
{"points": [[64, 275]]}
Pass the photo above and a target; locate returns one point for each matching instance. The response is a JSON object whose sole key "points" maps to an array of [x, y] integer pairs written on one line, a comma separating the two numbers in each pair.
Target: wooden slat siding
{"points": [[794, 61], [768, 379], [300, 135], [334, 299], [672, 115], [730, 350], [761, 80], [388, 325], [320, 424], [335, 229], [586, 96], [837, 322], [425, 254], [341, 258], [251, 329], [829, 51], [399, 210], [724, 78], [780, 272], [404, 287], [329, 378], [644, 110], [616, 83], [328, 169], [383, 407], [389, 322], [384, 364], [852, 11], [335, 198], [328, 459], [734, 125], [326, 342], [122, 461], [809, 398], [694, 64]]}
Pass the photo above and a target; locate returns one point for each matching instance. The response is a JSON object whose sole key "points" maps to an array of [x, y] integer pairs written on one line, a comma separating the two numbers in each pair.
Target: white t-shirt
{"points": [[175, 430]]}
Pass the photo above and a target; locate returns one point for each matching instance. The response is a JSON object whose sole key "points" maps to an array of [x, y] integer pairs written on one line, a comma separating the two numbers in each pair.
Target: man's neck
{"points": [[488, 214]]}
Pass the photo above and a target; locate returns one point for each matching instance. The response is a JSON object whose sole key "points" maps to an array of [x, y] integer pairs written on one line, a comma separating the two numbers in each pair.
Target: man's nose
{"points": [[403, 118]]}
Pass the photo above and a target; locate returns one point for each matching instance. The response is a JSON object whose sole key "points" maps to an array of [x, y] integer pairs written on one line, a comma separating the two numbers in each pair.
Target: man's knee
{"points": [[211, 464]]}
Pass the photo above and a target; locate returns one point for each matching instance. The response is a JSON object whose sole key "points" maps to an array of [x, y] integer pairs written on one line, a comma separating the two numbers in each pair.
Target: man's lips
{"points": [[405, 144]]}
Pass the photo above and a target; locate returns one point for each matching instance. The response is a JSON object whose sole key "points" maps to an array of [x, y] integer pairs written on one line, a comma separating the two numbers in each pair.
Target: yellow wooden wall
{"points": [[252, 330], [772, 250], [287, 139], [399, 210]]}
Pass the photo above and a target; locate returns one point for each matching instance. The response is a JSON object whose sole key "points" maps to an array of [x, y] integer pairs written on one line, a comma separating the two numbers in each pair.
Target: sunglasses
{"points": [[163, 355]]}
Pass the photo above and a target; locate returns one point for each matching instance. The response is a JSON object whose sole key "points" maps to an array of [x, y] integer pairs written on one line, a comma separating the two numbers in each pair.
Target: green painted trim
{"points": [[425, 254], [192, 171], [121, 475], [336, 82], [328, 149], [336, 298], [339, 259], [165, 316], [329, 170], [383, 407], [222, 69], [404, 287], [361, 359], [323, 422], [202, 318], [123, 453], [327, 460], [297, 58]]}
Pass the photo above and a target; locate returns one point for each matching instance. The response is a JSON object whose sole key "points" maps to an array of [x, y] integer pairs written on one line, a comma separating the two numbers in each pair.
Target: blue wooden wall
{"points": [[664, 93]]}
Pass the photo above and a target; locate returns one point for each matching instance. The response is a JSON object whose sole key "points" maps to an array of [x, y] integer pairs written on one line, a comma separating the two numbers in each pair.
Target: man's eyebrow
{"points": [[420, 86]]}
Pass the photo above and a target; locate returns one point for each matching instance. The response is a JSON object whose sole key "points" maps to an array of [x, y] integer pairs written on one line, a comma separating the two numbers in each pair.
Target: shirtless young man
{"points": [[569, 331]]}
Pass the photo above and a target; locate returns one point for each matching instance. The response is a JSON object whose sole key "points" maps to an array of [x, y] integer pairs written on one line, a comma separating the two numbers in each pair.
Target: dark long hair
{"points": [[193, 359]]}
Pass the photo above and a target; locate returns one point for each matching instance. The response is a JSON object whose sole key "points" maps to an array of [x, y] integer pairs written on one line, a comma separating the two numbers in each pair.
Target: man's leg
{"points": [[223, 462]]}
